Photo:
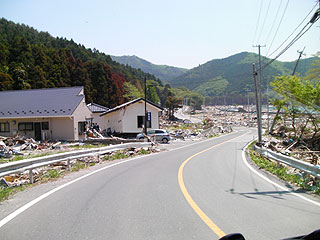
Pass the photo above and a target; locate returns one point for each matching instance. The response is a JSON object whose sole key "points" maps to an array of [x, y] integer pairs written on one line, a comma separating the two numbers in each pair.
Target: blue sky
{"points": [[181, 33]]}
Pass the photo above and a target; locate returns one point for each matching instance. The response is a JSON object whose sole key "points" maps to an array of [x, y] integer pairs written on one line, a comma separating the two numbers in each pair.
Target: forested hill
{"points": [[32, 59], [233, 75], [164, 72]]}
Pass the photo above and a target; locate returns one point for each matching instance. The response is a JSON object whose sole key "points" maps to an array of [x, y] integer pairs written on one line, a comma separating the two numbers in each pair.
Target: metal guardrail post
{"points": [[31, 176], [69, 164], [99, 158]]}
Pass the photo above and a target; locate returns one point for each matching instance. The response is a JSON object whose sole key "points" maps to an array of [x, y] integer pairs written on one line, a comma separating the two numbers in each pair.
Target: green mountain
{"points": [[163, 72], [233, 75], [32, 59]]}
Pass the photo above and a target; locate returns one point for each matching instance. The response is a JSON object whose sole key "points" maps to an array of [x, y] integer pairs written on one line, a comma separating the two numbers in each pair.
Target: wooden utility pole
{"points": [[295, 67], [256, 87], [259, 95], [145, 105]]}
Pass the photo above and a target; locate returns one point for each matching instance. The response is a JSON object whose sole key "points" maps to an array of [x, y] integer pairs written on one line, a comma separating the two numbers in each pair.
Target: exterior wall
{"points": [[113, 121], [130, 118], [125, 120], [45, 134], [99, 120], [62, 129], [81, 114]]}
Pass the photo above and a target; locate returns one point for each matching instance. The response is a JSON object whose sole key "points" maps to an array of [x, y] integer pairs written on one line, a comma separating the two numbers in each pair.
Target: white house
{"points": [[54, 113], [129, 117]]}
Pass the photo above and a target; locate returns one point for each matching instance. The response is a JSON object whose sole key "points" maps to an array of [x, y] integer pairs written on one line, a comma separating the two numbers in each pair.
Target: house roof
{"points": [[129, 103], [51, 102], [96, 108]]}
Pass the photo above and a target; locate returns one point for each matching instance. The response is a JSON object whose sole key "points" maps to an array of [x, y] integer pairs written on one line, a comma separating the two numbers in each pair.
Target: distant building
{"points": [[54, 113], [96, 111], [128, 118]]}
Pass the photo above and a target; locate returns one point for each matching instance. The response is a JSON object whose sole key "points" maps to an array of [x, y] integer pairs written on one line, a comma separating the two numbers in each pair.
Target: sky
{"points": [[180, 33]]}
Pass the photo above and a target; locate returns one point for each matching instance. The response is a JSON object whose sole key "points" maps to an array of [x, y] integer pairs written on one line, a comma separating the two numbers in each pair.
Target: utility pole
{"points": [[257, 103], [145, 105], [258, 86], [300, 54]]}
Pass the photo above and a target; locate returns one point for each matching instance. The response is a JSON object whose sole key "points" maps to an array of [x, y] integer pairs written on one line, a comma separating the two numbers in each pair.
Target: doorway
{"points": [[37, 131]]}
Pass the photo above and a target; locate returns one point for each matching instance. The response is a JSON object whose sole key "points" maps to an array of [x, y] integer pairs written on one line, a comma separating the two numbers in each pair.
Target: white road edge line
{"points": [[47, 194], [273, 183]]}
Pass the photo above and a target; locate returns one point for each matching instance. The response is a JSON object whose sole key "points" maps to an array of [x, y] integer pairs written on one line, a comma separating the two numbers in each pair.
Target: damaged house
{"points": [[128, 118], [96, 111], [55, 113]]}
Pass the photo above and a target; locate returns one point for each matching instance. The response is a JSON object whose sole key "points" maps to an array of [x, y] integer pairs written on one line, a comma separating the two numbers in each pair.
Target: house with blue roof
{"points": [[54, 113]]}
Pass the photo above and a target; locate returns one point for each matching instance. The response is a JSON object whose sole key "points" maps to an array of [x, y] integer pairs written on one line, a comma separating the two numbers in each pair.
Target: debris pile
{"points": [[58, 169], [306, 148], [19, 145], [216, 130]]}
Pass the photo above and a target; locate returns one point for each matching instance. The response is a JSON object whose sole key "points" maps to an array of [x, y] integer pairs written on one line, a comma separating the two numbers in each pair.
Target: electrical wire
{"points": [[255, 33], [292, 32], [264, 21], [274, 21], [223, 76], [285, 9], [299, 35]]}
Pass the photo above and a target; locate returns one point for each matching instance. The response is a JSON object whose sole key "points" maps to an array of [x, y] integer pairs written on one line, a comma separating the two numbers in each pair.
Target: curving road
{"points": [[143, 198]]}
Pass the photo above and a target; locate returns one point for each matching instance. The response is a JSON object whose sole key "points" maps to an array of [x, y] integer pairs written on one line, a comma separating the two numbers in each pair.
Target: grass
{"points": [[115, 156], [79, 165], [6, 192], [88, 146], [304, 182], [22, 157], [51, 174]]}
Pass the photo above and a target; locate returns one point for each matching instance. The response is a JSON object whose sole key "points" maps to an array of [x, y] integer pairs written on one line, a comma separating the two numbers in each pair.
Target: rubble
{"points": [[19, 145], [59, 168], [306, 148]]}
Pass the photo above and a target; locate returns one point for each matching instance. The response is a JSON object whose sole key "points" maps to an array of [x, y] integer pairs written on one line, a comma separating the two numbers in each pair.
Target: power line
{"points": [[292, 32], [274, 21], [206, 80], [264, 21], [285, 9], [255, 33], [314, 18]]}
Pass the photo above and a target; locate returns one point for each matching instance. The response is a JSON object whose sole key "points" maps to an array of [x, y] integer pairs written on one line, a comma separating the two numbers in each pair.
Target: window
{"points": [[151, 132], [140, 121], [4, 127], [45, 125], [25, 126], [81, 127]]}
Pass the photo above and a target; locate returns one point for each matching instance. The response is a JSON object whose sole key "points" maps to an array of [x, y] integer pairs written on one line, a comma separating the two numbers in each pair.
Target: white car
{"points": [[160, 135]]}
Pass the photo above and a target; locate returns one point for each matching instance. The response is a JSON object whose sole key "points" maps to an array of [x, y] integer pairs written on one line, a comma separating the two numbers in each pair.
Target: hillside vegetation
{"points": [[232, 76], [32, 59], [163, 72]]}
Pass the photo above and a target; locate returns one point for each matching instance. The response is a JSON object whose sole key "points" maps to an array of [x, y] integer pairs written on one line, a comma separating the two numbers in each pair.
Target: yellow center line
{"points": [[189, 199]]}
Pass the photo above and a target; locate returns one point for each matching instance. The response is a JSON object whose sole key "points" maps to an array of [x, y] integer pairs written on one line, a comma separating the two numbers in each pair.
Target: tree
{"points": [[296, 90], [302, 95], [131, 92], [152, 95], [6, 81], [172, 103]]}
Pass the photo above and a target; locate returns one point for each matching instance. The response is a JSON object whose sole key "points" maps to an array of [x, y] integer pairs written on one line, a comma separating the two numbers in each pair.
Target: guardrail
{"points": [[30, 164], [304, 166]]}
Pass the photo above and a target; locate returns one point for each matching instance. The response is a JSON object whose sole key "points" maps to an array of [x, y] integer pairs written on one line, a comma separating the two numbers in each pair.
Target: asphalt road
{"points": [[142, 198]]}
